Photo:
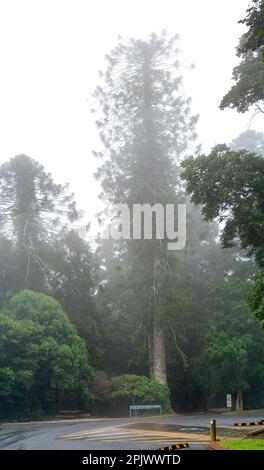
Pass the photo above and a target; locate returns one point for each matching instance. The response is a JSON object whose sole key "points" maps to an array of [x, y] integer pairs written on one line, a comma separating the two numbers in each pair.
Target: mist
{"points": [[131, 225]]}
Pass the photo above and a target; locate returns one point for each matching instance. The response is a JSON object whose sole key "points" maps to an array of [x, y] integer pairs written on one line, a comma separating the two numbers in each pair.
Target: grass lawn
{"points": [[244, 444]]}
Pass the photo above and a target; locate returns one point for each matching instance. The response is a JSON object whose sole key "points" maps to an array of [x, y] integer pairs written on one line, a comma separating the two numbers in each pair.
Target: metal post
{"points": [[213, 430]]}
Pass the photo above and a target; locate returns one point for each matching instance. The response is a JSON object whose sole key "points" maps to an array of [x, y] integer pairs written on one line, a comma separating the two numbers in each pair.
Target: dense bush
{"points": [[43, 362]]}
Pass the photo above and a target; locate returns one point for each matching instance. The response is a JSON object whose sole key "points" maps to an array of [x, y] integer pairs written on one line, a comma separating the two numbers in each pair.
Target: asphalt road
{"points": [[111, 434]]}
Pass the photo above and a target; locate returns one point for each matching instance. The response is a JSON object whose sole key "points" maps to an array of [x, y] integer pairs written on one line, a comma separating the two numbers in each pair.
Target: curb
{"points": [[183, 445], [59, 421], [256, 423], [214, 446], [255, 432]]}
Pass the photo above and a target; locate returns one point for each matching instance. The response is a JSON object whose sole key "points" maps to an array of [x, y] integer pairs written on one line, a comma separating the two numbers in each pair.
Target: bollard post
{"points": [[213, 430]]}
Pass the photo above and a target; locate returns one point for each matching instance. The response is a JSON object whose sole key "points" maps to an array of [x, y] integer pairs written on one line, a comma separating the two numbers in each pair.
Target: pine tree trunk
{"points": [[159, 355], [151, 353], [158, 368], [239, 400]]}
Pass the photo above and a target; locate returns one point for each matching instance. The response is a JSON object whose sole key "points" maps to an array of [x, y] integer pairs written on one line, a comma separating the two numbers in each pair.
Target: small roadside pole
{"points": [[213, 430], [229, 400]]}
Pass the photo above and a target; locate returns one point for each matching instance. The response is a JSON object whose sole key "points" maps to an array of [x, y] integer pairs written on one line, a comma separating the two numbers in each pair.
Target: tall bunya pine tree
{"points": [[146, 127]]}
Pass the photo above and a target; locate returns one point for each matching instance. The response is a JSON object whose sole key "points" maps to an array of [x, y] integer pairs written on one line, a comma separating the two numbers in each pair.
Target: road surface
{"points": [[127, 433]]}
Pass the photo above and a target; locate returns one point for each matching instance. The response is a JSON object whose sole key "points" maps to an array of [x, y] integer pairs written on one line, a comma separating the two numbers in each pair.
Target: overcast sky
{"points": [[51, 52]]}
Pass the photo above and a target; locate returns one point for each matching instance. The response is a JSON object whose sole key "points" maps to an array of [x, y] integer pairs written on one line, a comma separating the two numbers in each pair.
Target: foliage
{"points": [[140, 389], [43, 363], [248, 89], [249, 74], [256, 297], [216, 313], [254, 38], [234, 340], [229, 185]]}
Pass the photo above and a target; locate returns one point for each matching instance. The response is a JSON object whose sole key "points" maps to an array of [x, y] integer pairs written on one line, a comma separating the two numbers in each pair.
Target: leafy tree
{"points": [[234, 342], [43, 363], [256, 298], [229, 185], [249, 74], [140, 389], [254, 38], [248, 89], [209, 268], [146, 127]]}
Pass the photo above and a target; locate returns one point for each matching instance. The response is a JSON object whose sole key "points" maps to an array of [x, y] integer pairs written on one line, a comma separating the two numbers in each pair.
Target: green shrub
{"points": [[140, 390], [43, 362]]}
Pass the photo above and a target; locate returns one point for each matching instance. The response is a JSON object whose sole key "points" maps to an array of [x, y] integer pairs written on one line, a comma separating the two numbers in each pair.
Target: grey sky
{"points": [[51, 52]]}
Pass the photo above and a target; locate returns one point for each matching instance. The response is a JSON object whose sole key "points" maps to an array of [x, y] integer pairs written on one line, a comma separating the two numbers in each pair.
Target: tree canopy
{"points": [[229, 186], [43, 362], [249, 74]]}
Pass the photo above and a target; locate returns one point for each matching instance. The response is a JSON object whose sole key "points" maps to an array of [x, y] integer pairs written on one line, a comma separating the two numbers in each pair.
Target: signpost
{"points": [[229, 400]]}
